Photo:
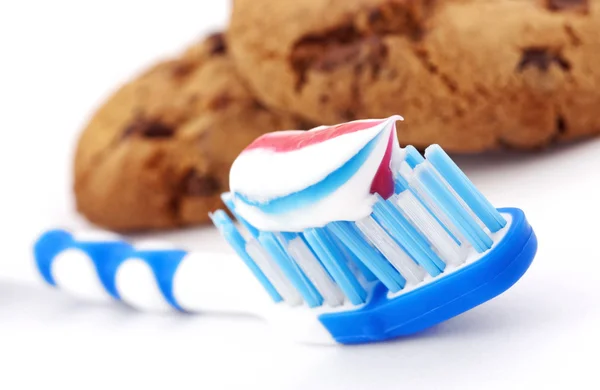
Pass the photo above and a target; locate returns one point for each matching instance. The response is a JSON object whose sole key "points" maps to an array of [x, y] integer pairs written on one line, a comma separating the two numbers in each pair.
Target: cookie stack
{"points": [[470, 75]]}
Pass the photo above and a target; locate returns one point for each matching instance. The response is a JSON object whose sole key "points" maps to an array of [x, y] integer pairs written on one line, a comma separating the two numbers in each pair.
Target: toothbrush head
{"points": [[430, 249]]}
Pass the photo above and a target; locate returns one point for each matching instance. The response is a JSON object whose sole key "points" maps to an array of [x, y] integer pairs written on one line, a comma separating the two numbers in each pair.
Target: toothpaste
{"points": [[293, 180]]}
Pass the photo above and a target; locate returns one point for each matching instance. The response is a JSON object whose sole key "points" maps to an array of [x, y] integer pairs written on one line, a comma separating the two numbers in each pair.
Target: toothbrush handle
{"points": [[154, 278]]}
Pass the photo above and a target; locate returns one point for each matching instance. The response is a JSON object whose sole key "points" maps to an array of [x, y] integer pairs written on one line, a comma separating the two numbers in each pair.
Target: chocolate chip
{"points": [[561, 125], [374, 16], [217, 44], [256, 105], [336, 57], [347, 115], [148, 129], [157, 130], [406, 18], [182, 69], [369, 51], [323, 98], [568, 5], [542, 58], [220, 102], [333, 46], [195, 184], [311, 48], [305, 125], [573, 36]]}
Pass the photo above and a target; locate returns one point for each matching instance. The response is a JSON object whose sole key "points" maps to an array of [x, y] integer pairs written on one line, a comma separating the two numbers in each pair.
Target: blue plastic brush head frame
{"points": [[443, 298]]}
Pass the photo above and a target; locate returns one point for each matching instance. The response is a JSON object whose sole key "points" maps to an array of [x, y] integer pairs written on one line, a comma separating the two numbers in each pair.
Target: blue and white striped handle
{"points": [[150, 277]]}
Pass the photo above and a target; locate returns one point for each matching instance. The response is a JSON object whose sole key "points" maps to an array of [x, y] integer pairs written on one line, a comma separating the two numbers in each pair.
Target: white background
{"points": [[59, 59]]}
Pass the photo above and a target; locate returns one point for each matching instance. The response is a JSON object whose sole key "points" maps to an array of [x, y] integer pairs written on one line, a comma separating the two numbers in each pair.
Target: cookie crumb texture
{"points": [[157, 154], [469, 75]]}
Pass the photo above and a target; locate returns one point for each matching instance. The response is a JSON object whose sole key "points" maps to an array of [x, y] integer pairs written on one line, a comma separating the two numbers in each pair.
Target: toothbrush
{"points": [[374, 242]]}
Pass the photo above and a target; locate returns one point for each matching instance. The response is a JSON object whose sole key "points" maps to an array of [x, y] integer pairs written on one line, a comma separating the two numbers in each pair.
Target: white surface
{"points": [[60, 58]]}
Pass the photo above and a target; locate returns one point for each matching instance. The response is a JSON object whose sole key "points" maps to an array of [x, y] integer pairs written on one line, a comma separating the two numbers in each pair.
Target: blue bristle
{"points": [[414, 244], [351, 258], [465, 188], [369, 256], [290, 269], [287, 236], [237, 242], [413, 157], [400, 184], [459, 216], [226, 198], [332, 258]]}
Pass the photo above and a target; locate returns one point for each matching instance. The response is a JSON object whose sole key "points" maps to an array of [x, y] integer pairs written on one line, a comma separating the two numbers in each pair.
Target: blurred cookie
{"points": [[470, 75], [157, 154]]}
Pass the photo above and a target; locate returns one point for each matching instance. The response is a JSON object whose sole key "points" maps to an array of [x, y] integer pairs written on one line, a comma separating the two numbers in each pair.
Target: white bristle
{"points": [[273, 273], [362, 279], [445, 246], [405, 170], [313, 270], [411, 271]]}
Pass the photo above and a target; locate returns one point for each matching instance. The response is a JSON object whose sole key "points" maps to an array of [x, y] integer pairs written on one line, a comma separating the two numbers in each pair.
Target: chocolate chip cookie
{"points": [[471, 75], [157, 154]]}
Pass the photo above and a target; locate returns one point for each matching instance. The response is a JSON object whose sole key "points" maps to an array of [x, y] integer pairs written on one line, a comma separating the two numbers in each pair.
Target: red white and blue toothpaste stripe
{"points": [[307, 179]]}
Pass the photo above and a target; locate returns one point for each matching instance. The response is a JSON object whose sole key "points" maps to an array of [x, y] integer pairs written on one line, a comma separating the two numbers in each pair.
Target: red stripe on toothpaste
{"points": [[290, 141]]}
